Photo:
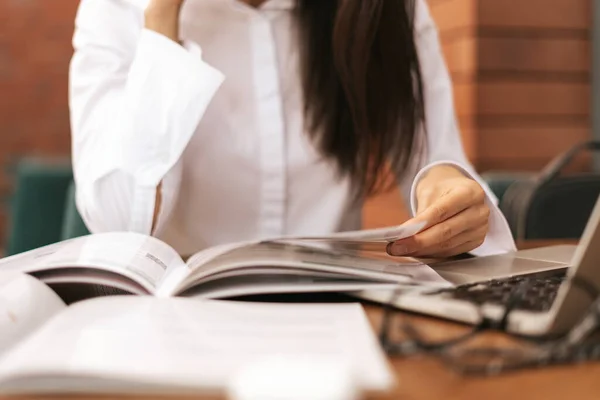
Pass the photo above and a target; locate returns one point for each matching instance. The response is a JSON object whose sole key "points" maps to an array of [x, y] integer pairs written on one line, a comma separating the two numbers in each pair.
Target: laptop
{"points": [[549, 302]]}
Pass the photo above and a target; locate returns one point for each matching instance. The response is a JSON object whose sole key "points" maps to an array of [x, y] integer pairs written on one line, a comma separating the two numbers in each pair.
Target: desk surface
{"points": [[424, 378]]}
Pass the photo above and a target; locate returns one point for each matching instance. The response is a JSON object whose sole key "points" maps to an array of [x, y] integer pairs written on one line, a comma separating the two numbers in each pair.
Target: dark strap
{"points": [[556, 166]]}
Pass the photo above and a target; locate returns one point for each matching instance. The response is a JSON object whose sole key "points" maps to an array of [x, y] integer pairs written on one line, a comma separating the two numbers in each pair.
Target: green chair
{"points": [[38, 203], [500, 181], [73, 225]]}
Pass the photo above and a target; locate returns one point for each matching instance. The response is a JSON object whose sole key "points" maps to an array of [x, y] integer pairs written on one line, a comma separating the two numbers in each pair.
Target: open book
{"points": [[144, 265], [148, 345]]}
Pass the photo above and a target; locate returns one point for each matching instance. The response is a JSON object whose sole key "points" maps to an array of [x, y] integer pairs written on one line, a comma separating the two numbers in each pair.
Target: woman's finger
{"points": [[456, 245], [451, 204], [443, 232]]}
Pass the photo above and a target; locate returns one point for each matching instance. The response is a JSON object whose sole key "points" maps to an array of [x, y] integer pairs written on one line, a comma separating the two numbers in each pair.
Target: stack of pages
{"points": [[143, 345]]}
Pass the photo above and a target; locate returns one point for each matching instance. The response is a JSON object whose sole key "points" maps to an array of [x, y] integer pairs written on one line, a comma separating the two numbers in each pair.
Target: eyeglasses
{"points": [[468, 354]]}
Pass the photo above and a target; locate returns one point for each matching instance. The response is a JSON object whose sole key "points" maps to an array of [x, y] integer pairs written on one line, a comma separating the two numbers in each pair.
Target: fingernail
{"points": [[397, 249], [388, 248]]}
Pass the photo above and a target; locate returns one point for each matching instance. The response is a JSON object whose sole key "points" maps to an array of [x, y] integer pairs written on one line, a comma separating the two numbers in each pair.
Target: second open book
{"points": [[144, 265]]}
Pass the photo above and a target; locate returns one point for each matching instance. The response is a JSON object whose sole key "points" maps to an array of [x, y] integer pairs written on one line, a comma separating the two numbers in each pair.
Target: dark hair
{"points": [[363, 91]]}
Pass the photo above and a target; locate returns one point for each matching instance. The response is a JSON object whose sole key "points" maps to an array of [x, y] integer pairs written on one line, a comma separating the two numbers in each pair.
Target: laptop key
{"points": [[540, 291]]}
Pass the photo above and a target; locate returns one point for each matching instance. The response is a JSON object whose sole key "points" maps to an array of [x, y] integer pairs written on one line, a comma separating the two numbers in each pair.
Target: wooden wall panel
{"points": [[533, 81], [506, 96], [467, 54], [524, 143], [535, 14], [509, 101], [567, 56]]}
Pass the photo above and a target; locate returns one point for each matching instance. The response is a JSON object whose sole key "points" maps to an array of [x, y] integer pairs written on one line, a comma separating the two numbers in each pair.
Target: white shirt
{"points": [[219, 121]]}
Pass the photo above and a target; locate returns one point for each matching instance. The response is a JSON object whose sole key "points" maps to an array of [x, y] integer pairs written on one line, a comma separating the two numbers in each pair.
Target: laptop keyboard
{"points": [[538, 291]]}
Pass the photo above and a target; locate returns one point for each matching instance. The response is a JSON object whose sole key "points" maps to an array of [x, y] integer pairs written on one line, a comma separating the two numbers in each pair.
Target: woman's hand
{"points": [[162, 16], [455, 212]]}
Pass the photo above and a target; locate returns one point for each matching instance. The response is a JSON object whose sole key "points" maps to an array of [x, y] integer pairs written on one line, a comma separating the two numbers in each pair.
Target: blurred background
{"points": [[522, 82], [522, 73]]}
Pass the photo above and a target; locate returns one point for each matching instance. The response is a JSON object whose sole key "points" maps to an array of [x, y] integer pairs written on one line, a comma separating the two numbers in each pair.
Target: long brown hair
{"points": [[363, 91]]}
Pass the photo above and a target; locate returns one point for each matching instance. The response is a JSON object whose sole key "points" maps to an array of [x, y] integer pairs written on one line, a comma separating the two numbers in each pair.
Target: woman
{"points": [[212, 121]]}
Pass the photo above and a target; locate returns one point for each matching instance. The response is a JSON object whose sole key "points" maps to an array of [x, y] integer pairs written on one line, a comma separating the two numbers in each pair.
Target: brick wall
{"points": [[35, 48], [521, 72]]}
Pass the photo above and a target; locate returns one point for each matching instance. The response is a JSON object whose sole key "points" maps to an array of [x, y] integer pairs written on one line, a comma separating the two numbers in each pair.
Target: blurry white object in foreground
{"points": [[177, 345], [295, 378]]}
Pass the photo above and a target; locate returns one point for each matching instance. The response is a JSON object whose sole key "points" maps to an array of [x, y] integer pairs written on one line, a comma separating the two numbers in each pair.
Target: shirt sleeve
{"points": [[135, 98], [444, 144]]}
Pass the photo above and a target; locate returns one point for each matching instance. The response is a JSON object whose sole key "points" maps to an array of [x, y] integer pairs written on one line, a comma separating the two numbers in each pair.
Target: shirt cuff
{"points": [[499, 239], [169, 88]]}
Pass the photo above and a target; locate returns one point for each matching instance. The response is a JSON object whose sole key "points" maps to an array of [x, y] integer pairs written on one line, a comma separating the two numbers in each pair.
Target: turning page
{"points": [[378, 235], [284, 267]]}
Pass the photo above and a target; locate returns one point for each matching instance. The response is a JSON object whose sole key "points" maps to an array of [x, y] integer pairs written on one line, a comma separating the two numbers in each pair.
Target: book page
{"points": [[25, 305], [184, 345], [175, 281], [377, 235], [366, 239], [142, 259], [303, 257], [334, 257], [276, 283]]}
